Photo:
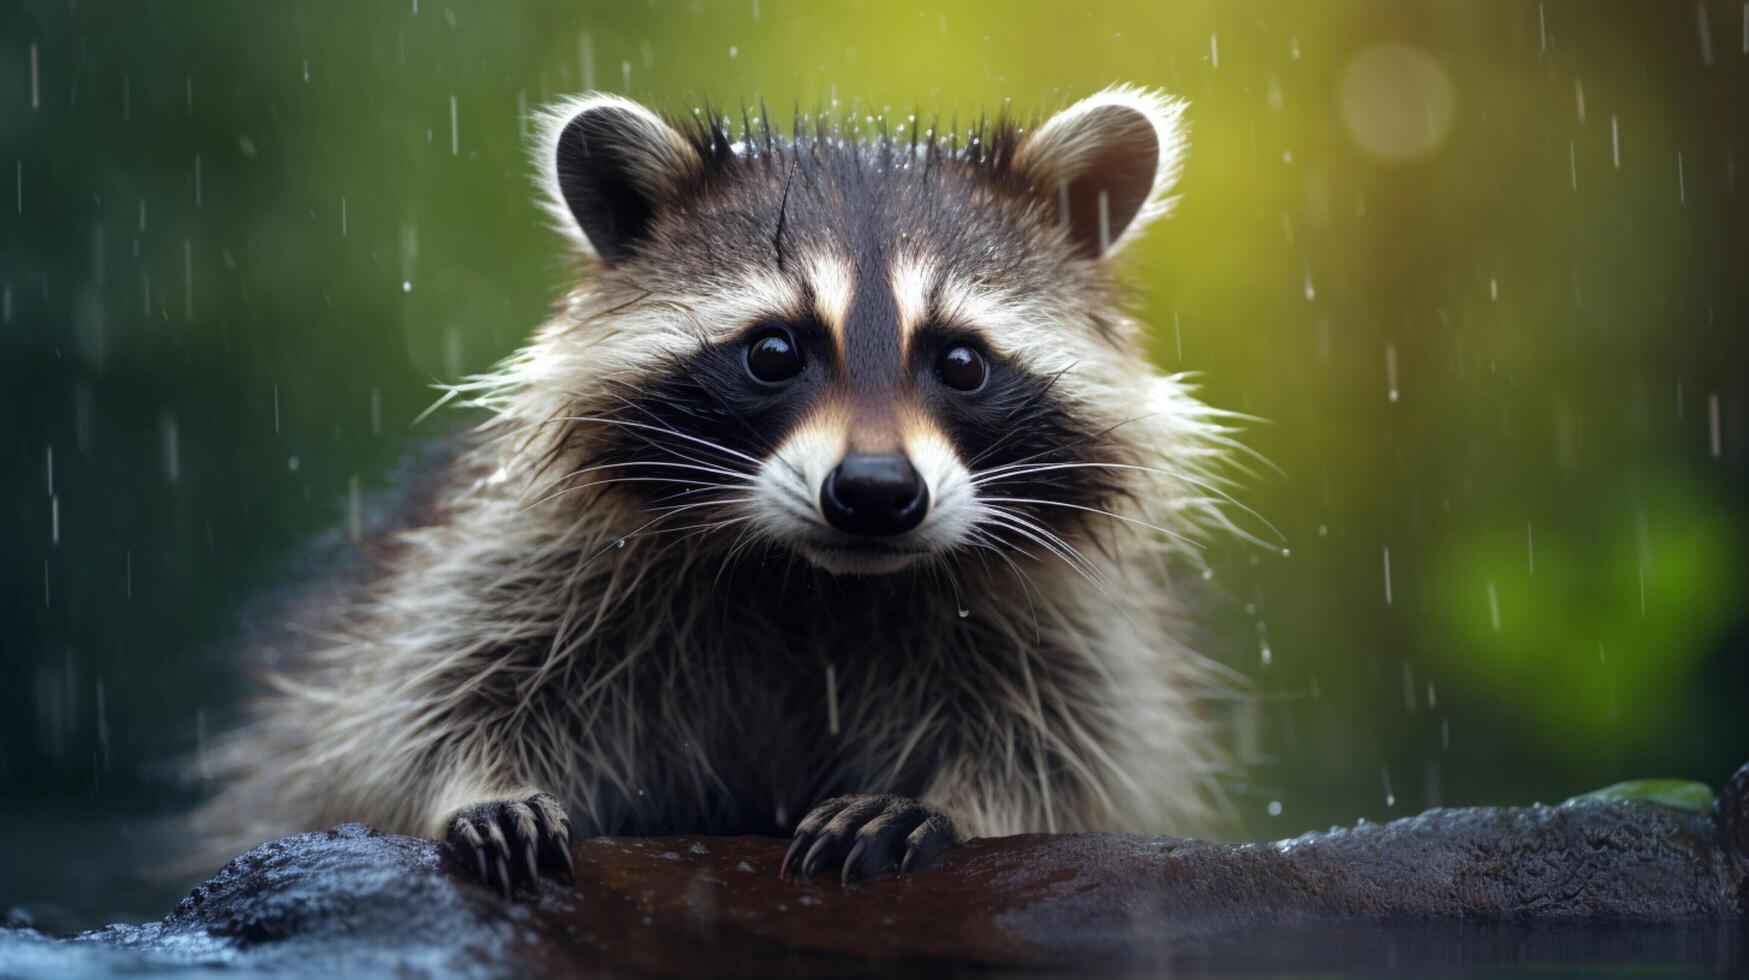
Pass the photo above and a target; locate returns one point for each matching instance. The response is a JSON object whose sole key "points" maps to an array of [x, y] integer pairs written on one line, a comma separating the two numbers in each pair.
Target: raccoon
{"points": [[837, 499]]}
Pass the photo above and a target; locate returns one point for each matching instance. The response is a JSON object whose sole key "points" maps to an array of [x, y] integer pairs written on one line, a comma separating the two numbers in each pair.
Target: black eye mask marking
{"points": [[1017, 422], [694, 435]]}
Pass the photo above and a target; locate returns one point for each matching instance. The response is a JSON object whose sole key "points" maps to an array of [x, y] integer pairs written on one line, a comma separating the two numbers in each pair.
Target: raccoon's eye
{"points": [[962, 368], [772, 355]]}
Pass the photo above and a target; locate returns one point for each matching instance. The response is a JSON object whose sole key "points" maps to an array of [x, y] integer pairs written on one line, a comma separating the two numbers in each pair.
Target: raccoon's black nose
{"points": [[874, 495]]}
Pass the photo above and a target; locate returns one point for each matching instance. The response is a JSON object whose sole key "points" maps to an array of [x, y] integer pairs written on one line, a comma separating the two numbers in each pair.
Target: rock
{"points": [[1446, 888]]}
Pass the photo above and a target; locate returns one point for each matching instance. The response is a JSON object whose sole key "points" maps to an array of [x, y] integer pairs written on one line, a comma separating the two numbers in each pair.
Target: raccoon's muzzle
{"points": [[875, 495]]}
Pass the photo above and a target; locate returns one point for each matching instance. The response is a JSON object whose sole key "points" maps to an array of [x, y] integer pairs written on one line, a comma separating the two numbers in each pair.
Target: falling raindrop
{"points": [[102, 726], [1104, 200], [188, 280], [452, 352], [354, 511], [1705, 31], [831, 699], [169, 447], [1388, 577]]}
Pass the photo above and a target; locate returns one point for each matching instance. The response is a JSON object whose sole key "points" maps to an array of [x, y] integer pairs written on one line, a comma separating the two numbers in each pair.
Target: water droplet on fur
{"points": [[621, 543], [964, 612]]}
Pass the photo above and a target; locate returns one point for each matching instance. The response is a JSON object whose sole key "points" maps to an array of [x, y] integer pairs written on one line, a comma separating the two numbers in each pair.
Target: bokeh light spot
{"points": [[1397, 102]]}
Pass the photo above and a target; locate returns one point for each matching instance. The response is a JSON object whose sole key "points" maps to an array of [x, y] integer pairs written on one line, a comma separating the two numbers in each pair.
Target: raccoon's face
{"points": [[867, 352]]}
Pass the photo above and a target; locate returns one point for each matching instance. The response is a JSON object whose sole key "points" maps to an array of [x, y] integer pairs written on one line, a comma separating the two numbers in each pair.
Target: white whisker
{"points": [[603, 420], [1094, 510]]}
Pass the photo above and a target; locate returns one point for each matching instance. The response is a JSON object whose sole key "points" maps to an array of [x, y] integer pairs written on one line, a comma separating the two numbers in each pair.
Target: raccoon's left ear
{"points": [[609, 167], [1107, 165]]}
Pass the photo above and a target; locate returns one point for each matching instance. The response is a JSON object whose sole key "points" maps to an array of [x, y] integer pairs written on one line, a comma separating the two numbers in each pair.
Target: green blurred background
{"points": [[1479, 265]]}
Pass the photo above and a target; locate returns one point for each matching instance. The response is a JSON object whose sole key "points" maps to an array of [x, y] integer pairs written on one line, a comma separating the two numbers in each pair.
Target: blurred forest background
{"points": [[1479, 266]]}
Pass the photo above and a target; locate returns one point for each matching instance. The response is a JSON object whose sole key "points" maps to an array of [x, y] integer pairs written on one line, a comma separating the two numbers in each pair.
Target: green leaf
{"points": [[1682, 794]]}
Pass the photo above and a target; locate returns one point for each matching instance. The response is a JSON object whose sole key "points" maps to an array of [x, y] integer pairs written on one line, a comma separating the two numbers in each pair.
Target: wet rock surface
{"points": [[1588, 881]]}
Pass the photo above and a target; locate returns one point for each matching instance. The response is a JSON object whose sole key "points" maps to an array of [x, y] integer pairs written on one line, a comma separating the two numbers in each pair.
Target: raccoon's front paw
{"points": [[508, 842], [862, 836]]}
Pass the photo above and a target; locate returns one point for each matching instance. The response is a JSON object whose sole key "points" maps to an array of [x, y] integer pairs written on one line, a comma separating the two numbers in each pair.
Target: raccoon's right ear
{"points": [[609, 166]]}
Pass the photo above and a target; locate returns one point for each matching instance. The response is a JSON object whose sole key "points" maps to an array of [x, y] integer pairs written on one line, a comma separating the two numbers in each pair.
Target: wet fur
{"points": [[547, 631]]}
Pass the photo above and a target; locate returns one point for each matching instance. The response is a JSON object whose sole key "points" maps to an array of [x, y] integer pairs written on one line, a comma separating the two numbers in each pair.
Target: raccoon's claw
{"points": [[863, 836], [506, 843]]}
